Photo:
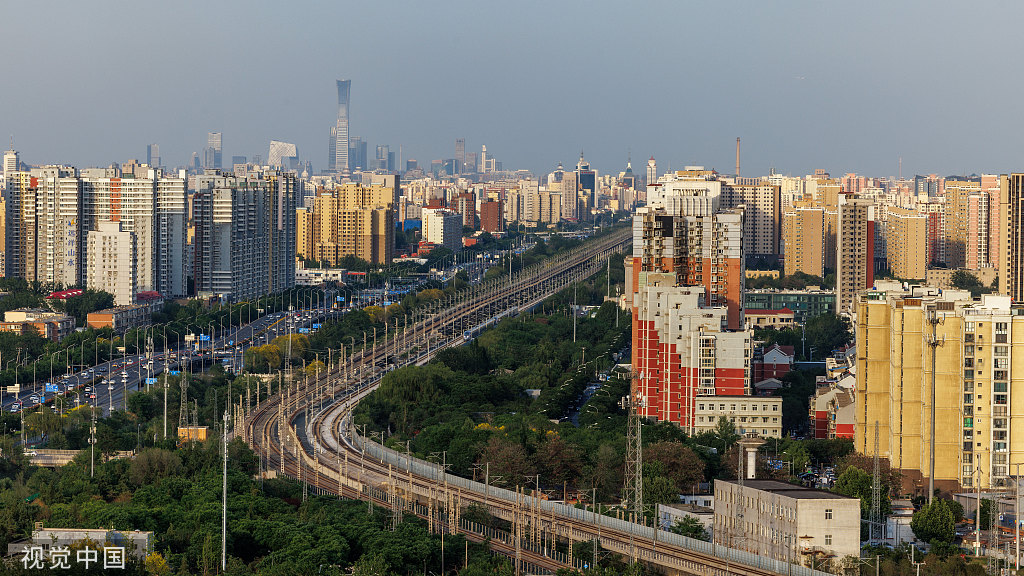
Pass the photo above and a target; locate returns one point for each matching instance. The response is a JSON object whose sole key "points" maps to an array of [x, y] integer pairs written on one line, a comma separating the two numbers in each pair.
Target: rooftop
{"points": [[790, 490]]}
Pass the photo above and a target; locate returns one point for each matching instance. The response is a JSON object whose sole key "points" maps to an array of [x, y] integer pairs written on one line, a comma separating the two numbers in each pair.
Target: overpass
{"points": [[305, 431]]}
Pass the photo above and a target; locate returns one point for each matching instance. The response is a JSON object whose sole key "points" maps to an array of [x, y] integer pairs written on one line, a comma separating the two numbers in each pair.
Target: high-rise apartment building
{"points": [[906, 243], [700, 250], [44, 226], [285, 191], [232, 248], [803, 233], [684, 230], [338, 154], [351, 220], [1011, 239], [213, 152], [465, 204], [917, 344], [110, 262], [855, 250], [12, 163], [690, 369], [152, 207], [492, 218], [443, 228], [762, 215]]}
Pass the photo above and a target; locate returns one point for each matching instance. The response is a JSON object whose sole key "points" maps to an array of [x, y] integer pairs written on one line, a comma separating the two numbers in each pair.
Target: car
{"points": [[15, 408], [31, 453]]}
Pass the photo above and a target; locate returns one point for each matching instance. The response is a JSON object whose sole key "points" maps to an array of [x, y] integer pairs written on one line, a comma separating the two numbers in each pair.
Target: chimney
{"points": [[737, 156]]}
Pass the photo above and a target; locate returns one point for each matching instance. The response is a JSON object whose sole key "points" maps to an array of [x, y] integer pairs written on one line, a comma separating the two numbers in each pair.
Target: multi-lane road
{"points": [[107, 384]]}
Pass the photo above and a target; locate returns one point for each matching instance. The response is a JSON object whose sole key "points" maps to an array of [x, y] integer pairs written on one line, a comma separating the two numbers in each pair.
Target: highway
{"points": [[305, 432], [107, 384]]}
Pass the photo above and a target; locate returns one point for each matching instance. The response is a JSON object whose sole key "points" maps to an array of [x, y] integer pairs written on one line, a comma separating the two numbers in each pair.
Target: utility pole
{"points": [[933, 343], [876, 495], [167, 359], [574, 312], [1016, 517], [92, 441], [224, 497]]}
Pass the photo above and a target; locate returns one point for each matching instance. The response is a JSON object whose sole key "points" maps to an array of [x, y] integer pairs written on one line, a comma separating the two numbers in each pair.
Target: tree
{"points": [[826, 332], [153, 464], [934, 522], [964, 280], [985, 515], [680, 463], [371, 565], [508, 459], [725, 433], [691, 528], [558, 461]]}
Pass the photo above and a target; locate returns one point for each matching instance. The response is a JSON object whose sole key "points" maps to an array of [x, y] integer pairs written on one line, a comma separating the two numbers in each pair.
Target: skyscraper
{"points": [[357, 154], [338, 160], [282, 155], [153, 155], [460, 155], [213, 151]]}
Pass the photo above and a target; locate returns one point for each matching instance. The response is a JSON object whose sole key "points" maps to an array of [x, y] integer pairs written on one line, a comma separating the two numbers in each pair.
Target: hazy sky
{"points": [[845, 86]]}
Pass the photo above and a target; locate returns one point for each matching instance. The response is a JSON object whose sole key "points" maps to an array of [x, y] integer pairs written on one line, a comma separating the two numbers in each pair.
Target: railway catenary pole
{"points": [[550, 276]]}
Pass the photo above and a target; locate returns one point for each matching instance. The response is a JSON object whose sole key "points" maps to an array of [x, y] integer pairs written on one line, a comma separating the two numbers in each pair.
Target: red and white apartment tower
{"points": [[690, 348]]}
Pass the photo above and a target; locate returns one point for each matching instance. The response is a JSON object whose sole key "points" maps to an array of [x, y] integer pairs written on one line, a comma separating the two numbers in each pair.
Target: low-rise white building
{"points": [[761, 415], [785, 521]]}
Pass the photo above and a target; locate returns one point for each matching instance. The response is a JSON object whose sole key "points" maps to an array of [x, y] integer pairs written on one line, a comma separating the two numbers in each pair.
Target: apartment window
{"points": [[828, 539], [828, 513]]}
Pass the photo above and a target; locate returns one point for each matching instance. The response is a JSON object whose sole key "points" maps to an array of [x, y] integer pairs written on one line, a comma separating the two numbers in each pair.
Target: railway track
{"points": [[305, 431]]}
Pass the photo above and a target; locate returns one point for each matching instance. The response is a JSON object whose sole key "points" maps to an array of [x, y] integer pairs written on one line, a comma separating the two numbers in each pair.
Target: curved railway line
{"points": [[320, 446]]}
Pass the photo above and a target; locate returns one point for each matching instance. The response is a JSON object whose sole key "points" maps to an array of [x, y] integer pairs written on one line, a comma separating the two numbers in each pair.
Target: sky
{"points": [[844, 86]]}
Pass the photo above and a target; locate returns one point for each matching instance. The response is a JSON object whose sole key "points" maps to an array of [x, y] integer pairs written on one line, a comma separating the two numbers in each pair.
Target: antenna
{"points": [[183, 418], [633, 488]]}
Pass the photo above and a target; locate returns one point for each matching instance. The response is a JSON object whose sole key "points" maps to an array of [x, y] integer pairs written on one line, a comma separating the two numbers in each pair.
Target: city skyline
{"points": [[834, 87]]}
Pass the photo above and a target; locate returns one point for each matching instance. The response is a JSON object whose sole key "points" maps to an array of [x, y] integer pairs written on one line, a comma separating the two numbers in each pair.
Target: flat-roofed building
{"points": [[50, 325], [786, 522]]}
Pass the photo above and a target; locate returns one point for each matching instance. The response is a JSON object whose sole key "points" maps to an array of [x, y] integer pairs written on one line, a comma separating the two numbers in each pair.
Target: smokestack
{"points": [[737, 156]]}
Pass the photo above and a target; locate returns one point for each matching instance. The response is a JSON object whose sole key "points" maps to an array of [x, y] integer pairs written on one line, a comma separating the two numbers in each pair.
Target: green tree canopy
{"points": [[934, 522]]}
